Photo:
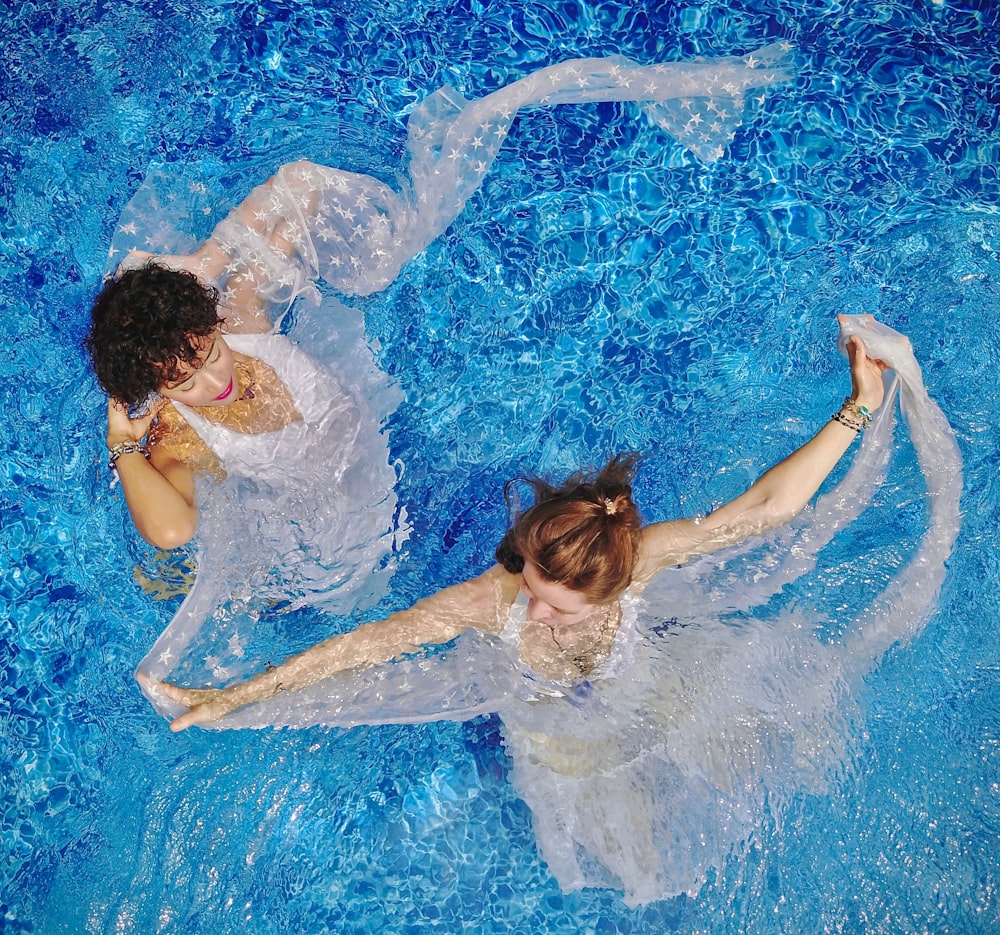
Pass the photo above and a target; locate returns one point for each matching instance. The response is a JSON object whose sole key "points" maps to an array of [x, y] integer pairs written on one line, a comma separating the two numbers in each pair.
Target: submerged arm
{"points": [[777, 496], [480, 603]]}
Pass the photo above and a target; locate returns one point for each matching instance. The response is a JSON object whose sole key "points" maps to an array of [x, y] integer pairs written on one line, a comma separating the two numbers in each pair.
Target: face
{"points": [[209, 380], [553, 604]]}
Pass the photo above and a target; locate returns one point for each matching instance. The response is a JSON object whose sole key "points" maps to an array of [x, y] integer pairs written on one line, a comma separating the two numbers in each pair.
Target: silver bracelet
{"points": [[848, 421], [125, 448]]}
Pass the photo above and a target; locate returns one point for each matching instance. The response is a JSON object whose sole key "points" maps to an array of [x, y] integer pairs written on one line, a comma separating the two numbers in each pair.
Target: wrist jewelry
{"points": [[125, 448], [862, 413], [848, 421]]}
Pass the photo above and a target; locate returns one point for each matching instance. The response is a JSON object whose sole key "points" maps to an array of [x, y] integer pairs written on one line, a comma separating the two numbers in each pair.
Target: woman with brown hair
{"points": [[572, 555], [649, 735]]}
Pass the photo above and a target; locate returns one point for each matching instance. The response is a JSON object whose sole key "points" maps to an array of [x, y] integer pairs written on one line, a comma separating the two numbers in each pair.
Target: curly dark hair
{"points": [[583, 534], [141, 328]]}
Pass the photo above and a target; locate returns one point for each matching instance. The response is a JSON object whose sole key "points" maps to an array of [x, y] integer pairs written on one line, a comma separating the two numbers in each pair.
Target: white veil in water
{"points": [[321, 529]]}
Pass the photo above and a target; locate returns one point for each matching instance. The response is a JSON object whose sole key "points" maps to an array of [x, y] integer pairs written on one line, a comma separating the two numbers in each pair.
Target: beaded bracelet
{"points": [[846, 420], [863, 413], [125, 448]]}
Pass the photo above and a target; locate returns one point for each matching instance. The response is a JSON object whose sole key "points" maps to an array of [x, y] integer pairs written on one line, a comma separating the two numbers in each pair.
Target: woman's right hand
{"points": [[123, 429], [866, 375], [206, 704]]}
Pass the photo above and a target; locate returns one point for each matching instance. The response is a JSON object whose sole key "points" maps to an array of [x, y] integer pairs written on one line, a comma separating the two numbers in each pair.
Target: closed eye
{"points": [[188, 384]]}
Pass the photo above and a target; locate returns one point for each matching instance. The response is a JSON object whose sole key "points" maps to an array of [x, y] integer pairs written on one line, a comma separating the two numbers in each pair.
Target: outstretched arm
{"points": [[778, 495], [480, 603]]}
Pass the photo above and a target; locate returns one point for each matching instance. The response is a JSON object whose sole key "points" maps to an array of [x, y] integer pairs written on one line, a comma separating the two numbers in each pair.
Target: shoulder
{"points": [[491, 594], [671, 543], [482, 603], [677, 541], [173, 439]]}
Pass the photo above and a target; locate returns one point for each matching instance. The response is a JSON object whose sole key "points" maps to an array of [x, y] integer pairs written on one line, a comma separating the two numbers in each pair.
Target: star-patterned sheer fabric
{"points": [[356, 232], [651, 771]]}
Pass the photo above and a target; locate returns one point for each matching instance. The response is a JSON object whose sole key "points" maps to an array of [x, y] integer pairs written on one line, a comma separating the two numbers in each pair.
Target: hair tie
{"points": [[610, 507]]}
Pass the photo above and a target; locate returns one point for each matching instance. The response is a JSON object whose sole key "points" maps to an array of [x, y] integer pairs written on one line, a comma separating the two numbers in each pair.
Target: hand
{"points": [[136, 259], [866, 375], [206, 704], [123, 429]]}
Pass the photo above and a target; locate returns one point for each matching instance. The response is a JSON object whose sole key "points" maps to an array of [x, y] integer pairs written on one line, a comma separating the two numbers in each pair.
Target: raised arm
{"points": [[480, 603], [779, 494], [158, 488], [249, 250]]}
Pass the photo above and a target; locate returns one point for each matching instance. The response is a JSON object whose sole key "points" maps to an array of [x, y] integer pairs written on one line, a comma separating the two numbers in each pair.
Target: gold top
{"points": [[263, 404]]}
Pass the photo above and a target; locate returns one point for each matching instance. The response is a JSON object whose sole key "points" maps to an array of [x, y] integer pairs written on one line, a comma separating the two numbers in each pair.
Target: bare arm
{"points": [[159, 491], [480, 603], [776, 497], [276, 211]]}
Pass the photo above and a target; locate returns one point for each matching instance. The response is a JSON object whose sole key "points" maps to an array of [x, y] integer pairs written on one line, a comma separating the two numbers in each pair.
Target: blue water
{"points": [[602, 291]]}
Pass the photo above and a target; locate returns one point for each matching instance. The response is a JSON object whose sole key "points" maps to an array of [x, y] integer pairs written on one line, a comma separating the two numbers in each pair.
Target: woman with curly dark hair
{"points": [[153, 326], [201, 363]]}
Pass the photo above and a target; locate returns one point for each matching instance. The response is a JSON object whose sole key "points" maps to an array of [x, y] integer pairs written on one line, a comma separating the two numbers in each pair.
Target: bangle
{"points": [[862, 413], [848, 421], [125, 448]]}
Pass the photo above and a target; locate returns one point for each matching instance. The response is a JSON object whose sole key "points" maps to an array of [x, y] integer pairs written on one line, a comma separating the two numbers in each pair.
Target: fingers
{"points": [[185, 721], [117, 410], [121, 427], [204, 704], [173, 692], [189, 697], [857, 353], [204, 713]]}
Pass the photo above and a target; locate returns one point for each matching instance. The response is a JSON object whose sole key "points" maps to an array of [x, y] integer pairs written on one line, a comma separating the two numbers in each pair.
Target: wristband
{"points": [[125, 448], [857, 413]]}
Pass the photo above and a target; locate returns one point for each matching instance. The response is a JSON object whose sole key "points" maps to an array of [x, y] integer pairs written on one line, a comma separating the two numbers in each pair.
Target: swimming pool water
{"points": [[602, 291]]}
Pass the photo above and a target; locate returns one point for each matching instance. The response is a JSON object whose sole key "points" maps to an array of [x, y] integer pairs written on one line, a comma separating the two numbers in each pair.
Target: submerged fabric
{"points": [[711, 713], [654, 777], [306, 514], [652, 771]]}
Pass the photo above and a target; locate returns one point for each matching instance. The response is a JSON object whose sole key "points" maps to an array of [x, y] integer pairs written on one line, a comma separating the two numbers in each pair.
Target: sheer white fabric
{"points": [[356, 232], [662, 773], [666, 759], [305, 514]]}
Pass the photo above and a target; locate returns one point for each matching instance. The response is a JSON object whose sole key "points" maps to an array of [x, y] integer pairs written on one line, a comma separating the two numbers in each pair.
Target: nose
{"points": [[216, 380], [539, 611]]}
